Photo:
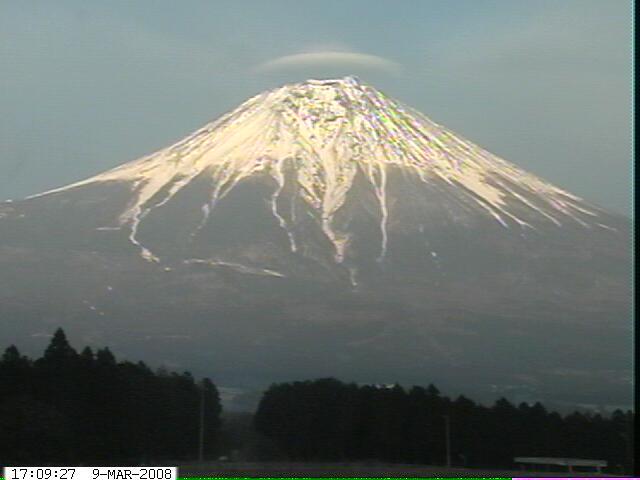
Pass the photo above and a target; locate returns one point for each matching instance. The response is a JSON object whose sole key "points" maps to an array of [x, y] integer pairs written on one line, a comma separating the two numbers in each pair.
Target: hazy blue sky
{"points": [[87, 85]]}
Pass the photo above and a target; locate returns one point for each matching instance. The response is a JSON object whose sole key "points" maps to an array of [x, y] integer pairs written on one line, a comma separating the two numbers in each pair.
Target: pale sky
{"points": [[88, 85]]}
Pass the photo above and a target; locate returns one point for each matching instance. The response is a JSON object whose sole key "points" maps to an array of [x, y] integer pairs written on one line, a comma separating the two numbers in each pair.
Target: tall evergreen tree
{"points": [[59, 349]]}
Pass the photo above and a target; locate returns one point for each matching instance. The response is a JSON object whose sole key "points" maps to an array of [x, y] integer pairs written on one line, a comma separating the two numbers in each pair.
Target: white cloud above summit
{"points": [[330, 58]]}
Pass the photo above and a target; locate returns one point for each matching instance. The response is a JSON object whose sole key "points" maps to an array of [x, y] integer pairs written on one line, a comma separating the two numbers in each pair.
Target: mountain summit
{"points": [[327, 133], [325, 229]]}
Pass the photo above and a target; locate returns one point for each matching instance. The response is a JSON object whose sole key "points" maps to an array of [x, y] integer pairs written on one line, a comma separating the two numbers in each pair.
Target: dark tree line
{"points": [[69, 408], [327, 420]]}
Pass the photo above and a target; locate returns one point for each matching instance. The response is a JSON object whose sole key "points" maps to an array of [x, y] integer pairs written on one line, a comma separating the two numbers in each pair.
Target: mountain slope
{"points": [[326, 133], [323, 228]]}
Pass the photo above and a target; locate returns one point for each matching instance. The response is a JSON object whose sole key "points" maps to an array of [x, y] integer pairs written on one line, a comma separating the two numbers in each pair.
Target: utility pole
{"points": [[447, 432], [201, 433], [628, 467]]}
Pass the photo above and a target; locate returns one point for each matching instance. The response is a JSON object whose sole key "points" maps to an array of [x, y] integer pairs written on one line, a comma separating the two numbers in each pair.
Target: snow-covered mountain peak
{"points": [[328, 132]]}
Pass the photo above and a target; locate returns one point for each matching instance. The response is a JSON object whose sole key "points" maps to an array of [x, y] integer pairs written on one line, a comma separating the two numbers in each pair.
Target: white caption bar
{"points": [[90, 473]]}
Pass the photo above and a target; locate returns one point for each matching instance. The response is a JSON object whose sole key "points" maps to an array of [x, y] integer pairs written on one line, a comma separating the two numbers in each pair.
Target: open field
{"points": [[282, 469]]}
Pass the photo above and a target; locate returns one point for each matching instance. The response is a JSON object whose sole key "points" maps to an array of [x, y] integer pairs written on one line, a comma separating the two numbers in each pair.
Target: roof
{"points": [[576, 462]]}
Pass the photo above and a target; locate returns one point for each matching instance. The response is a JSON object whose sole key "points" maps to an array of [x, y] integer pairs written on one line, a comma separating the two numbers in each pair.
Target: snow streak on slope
{"points": [[326, 132]]}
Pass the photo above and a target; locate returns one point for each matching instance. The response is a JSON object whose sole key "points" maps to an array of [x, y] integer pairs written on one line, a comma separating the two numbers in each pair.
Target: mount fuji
{"points": [[325, 229]]}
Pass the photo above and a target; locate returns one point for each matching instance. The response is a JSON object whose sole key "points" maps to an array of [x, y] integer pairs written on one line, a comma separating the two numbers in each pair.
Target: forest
{"points": [[69, 408], [328, 420]]}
